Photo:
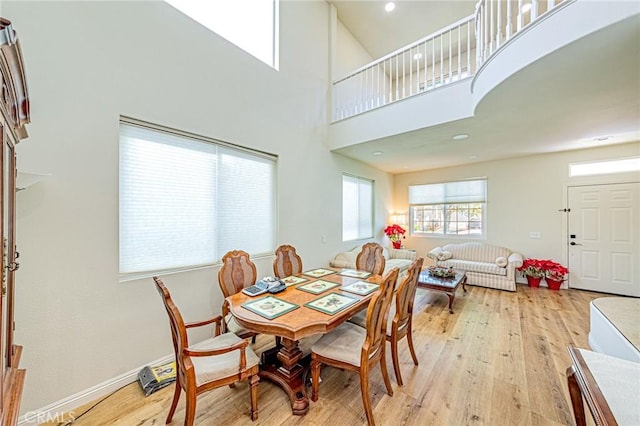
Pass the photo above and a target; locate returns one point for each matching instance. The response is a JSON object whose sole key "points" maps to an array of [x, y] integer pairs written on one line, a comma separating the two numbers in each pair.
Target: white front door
{"points": [[604, 238]]}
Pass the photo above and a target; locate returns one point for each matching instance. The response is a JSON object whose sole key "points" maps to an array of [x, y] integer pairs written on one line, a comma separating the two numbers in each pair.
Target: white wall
{"points": [[350, 54], [524, 195], [88, 63]]}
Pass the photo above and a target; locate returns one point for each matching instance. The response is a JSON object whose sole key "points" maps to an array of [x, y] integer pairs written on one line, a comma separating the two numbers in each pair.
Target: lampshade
{"points": [[399, 219]]}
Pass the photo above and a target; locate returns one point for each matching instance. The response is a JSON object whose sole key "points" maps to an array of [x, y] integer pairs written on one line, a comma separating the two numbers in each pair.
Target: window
{"points": [[450, 208], [357, 208], [252, 25], [186, 201], [605, 167]]}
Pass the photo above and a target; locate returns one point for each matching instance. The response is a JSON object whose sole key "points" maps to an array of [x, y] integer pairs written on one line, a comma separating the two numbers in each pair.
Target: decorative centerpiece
{"points": [[440, 272]]}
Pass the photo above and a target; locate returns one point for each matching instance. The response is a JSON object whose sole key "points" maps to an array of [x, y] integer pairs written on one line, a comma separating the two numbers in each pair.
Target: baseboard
{"points": [[61, 411]]}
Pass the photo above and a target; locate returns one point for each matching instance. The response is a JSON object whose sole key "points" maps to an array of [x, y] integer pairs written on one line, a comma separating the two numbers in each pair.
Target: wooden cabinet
{"points": [[14, 108]]}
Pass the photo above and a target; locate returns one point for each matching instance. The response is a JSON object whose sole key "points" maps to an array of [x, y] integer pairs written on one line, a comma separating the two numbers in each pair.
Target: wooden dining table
{"points": [[284, 364]]}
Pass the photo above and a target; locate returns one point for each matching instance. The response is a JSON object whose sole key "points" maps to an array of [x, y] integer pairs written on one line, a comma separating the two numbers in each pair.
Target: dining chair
{"points": [[400, 319], [351, 347], [223, 359], [370, 259], [287, 262], [237, 272]]}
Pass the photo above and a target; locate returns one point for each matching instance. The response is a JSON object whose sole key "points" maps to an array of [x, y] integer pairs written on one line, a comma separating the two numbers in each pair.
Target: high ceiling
{"points": [[584, 91]]}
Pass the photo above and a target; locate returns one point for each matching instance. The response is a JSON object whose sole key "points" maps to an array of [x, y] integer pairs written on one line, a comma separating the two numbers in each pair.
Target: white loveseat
{"points": [[392, 258], [486, 265]]}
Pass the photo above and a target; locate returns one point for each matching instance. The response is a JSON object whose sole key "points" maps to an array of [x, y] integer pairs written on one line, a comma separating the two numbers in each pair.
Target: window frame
{"points": [[445, 205], [223, 150]]}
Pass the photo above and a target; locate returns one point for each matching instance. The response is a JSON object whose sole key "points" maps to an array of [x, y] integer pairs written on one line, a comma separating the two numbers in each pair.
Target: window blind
{"points": [[185, 202], [357, 208], [468, 191]]}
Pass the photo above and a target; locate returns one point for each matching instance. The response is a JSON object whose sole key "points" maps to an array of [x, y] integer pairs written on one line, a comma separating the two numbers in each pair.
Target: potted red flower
{"points": [[555, 274], [537, 269], [395, 234], [533, 270]]}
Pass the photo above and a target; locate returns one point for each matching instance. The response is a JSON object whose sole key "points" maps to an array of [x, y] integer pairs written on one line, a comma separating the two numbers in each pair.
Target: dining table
{"points": [[315, 302]]}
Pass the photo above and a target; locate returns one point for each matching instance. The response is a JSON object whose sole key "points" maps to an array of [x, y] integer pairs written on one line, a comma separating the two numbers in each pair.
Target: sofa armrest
{"points": [[402, 254], [515, 259], [346, 259], [433, 254]]}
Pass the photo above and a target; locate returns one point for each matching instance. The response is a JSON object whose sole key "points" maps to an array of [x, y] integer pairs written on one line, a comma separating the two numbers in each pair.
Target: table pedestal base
{"points": [[281, 365]]}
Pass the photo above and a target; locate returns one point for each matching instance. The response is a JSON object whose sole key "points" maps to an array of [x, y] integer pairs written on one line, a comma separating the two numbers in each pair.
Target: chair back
{"points": [[406, 292], [237, 272], [377, 313], [371, 259], [287, 262], [178, 329]]}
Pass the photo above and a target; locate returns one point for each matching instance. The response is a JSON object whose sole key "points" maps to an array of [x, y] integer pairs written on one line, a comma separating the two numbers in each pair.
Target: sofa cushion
{"points": [[445, 255], [473, 266], [502, 261]]}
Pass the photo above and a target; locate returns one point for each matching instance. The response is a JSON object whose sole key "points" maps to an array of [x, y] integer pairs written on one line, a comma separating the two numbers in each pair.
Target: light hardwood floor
{"points": [[500, 359]]}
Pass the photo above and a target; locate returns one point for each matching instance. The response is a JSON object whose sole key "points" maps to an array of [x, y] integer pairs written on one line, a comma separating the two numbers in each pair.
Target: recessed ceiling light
{"points": [[377, 153], [525, 7], [602, 138], [473, 157], [417, 56], [460, 137], [389, 6]]}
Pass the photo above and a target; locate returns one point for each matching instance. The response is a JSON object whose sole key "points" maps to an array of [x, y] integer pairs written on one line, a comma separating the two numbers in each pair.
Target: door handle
{"points": [[574, 244]]}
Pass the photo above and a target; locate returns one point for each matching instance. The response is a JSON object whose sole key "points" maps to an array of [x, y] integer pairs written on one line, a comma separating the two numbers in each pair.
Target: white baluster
{"points": [[397, 79], [492, 31], [441, 60], [410, 73], [534, 10], [468, 48], [485, 53], [459, 52], [426, 67], [450, 53], [404, 75], [509, 29], [519, 26], [499, 34], [433, 63], [550, 4]]}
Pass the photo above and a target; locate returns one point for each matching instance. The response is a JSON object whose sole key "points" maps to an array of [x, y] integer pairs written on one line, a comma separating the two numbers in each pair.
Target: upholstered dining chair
{"points": [[287, 262], [218, 361], [354, 348], [400, 319], [371, 259], [237, 272]]}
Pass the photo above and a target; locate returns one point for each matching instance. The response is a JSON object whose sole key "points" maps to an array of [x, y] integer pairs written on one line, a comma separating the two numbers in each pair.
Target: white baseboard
{"points": [[62, 410]]}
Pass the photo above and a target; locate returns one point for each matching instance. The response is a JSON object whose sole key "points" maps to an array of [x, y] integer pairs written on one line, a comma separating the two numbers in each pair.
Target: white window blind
{"points": [[185, 202], [357, 208], [469, 191]]}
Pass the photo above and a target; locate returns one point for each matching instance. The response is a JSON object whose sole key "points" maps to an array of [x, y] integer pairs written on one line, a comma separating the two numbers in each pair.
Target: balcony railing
{"points": [[446, 56]]}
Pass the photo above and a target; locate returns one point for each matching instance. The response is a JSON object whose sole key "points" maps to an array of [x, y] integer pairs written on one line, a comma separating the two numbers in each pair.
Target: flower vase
{"points": [[396, 244], [553, 284], [534, 281]]}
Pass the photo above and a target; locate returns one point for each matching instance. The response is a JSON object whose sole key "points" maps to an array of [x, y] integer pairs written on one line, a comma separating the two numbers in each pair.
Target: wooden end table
{"points": [[445, 285]]}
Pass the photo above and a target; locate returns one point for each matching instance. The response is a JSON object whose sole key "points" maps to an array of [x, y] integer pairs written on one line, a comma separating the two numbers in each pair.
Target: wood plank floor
{"points": [[499, 360]]}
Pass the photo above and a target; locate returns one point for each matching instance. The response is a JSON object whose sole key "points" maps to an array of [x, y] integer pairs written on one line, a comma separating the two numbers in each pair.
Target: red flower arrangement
{"points": [[395, 234], [553, 272]]}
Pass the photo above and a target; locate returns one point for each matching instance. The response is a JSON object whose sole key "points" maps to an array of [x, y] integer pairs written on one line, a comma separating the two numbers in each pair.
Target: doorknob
{"points": [[574, 244]]}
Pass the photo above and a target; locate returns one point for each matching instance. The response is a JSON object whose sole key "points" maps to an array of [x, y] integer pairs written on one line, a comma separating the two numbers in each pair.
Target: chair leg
{"points": [[253, 383], [174, 403], [394, 357], [576, 397], [410, 342], [315, 377], [366, 401], [385, 374], [190, 411]]}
